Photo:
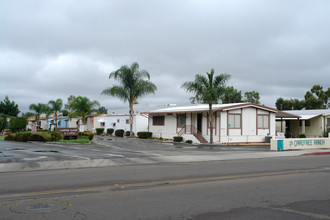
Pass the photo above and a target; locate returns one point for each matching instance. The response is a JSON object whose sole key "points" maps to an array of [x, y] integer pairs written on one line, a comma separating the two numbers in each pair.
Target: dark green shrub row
{"points": [[189, 141], [302, 136], [110, 131], [177, 139], [87, 134], [144, 134], [128, 133], [119, 133], [99, 131]]}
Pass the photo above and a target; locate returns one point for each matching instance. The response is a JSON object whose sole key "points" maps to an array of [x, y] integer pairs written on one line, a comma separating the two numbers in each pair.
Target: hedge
{"points": [[177, 139], [99, 131], [119, 133], [10, 137], [87, 134], [144, 134], [189, 141], [17, 123], [56, 135], [23, 136], [128, 133], [40, 136], [110, 131]]}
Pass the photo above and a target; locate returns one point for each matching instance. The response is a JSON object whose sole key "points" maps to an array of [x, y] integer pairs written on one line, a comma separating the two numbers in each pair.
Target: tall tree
{"points": [[208, 90], [231, 95], [8, 107], [82, 107], [39, 109], [316, 98], [289, 104], [252, 97], [56, 107], [132, 85]]}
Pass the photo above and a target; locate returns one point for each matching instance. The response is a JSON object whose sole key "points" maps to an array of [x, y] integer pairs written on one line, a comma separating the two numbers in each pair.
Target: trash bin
{"points": [[267, 139]]}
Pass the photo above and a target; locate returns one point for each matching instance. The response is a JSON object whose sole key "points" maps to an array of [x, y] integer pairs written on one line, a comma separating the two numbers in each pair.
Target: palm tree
{"points": [[131, 86], [207, 90], [82, 107], [39, 109], [56, 107]]}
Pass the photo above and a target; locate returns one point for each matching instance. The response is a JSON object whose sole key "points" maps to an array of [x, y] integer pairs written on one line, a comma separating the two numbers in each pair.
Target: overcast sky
{"points": [[54, 49]]}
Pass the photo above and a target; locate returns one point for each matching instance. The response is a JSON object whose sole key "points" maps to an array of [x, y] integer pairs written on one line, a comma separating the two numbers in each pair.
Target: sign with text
{"points": [[68, 131], [299, 143]]}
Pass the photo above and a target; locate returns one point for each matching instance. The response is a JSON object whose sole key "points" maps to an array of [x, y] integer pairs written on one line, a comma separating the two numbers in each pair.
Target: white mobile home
{"points": [[233, 123], [118, 121], [312, 123]]}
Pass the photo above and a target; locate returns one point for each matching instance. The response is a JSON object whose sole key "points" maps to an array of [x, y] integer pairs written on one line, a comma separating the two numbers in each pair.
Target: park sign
{"points": [[299, 143], [68, 131]]}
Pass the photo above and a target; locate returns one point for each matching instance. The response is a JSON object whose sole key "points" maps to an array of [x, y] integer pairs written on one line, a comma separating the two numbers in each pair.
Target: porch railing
{"points": [[188, 129]]}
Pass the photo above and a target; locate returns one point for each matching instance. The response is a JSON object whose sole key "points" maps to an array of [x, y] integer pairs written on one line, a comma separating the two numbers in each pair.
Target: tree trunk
{"points": [[211, 123], [55, 121], [131, 119]]}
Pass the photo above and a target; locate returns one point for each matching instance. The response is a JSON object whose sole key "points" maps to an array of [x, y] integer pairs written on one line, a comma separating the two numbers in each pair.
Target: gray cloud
{"points": [[52, 49]]}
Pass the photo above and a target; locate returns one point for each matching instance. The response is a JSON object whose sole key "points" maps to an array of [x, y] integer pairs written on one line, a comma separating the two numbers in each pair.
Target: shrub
{"points": [[302, 136], [177, 139], [87, 134], [119, 133], [17, 123], [23, 136], [3, 123], [189, 141], [110, 131], [99, 131], [56, 135], [83, 137], [144, 134], [40, 136], [128, 133], [10, 137]]}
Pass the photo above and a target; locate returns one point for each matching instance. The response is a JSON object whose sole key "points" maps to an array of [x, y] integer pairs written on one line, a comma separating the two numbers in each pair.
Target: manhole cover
{"points": [[40, 206]]}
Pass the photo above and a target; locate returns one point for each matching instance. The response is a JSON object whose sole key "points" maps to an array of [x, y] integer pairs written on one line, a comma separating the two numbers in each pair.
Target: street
{"points": [[269, 188]]}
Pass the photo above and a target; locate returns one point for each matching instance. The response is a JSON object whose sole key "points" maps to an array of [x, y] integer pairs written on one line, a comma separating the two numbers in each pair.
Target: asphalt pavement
{"points": [[115, 151]]}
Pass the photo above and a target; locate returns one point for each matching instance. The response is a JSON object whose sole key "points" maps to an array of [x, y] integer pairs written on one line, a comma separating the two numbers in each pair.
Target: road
{"points": [[269, 188]]}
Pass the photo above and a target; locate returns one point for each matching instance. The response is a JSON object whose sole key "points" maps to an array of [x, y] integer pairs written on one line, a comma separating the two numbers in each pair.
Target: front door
{"points": [[199, 121]]}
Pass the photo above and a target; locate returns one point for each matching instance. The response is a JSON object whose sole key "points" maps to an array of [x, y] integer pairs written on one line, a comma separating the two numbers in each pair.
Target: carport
{"points": [[284, 116]]}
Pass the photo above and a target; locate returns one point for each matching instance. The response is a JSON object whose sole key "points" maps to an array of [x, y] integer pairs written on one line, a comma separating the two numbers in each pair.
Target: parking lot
{"points": [[114, 151]]}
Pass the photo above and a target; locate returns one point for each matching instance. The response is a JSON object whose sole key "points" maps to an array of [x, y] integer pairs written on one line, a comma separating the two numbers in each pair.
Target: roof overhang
{"points": [[285, 115]]}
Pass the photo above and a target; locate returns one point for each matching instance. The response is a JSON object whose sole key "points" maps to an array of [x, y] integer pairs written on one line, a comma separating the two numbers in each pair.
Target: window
{"points": [[102, 124], [181, 120], [263, 121], [234, 120], [328, 124], [127, 121], [158, 120]]}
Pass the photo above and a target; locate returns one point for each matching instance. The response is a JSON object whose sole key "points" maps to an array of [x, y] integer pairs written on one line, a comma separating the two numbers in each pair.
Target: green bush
{"points": [[83, 137], [41, 136], [119, 133], [302, 136], [23, 136], [177, 139], [3, 123], [110, 131], [87, 134], [17, 123], [56, 135], [128, 133], [189, 141], [10, 137], [144, 134], [99, 131]]}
